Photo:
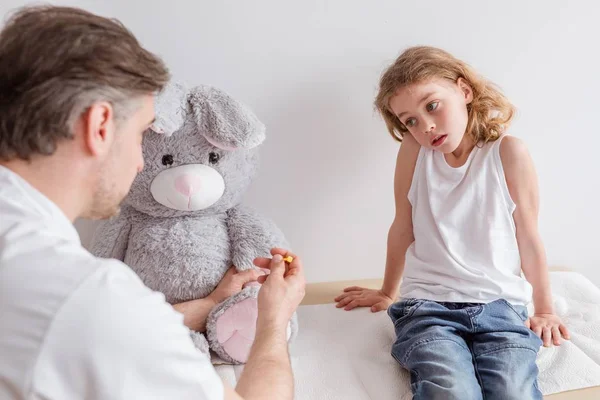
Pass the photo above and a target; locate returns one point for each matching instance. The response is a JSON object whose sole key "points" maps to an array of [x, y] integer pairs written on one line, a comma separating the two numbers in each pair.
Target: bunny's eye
{"points": [[214, 158], [167, 160]]}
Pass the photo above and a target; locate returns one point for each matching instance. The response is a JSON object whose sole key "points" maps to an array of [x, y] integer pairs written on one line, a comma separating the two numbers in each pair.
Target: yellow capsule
{"points": [[288, 259]]}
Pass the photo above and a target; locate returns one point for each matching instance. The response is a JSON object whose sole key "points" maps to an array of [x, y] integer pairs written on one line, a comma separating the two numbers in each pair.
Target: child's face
{"points": [[434, 112]]}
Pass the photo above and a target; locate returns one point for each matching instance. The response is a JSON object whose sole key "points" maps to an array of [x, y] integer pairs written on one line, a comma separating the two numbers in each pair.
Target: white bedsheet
{"points": [[346, 355]]}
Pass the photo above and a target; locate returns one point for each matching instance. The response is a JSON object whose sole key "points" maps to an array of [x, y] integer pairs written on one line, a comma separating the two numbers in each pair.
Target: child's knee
{"points": [[456, 386], [441, 368], [509, 374]]}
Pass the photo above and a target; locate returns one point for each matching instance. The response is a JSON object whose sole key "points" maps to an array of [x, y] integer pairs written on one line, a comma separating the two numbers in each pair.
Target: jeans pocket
{"points": [[522, 314], [403, 309]]}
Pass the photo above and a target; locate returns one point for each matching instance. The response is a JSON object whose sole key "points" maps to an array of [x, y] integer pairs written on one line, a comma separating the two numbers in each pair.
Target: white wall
{"points": [[309, 69]]}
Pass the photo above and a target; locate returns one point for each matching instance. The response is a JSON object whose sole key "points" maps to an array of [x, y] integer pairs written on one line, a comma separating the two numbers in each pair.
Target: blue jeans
{"points": [[466, 350]]}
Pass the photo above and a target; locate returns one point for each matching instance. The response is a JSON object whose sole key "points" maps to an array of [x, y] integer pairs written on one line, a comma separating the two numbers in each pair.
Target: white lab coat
{"points": [[74, 326]]}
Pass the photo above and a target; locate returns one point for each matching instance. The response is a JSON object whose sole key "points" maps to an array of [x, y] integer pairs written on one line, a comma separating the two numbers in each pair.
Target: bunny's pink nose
{"points": [[188, 184]]}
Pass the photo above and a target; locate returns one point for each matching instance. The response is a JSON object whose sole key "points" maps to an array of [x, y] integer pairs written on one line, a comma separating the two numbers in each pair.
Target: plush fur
{"points": [[184, 253]]}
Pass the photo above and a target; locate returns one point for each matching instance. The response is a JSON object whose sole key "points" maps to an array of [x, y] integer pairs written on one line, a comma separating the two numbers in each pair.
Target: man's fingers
{"points": [[262, 262], [295, 267], [295, 264], [277, 266], [265, 262], [278, 250], [293, 272], [282, 252], [528, 323], [538, 331]]}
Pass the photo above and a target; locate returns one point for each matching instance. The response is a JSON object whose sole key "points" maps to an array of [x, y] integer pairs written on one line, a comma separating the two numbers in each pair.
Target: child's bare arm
{"points": [[399, 238], [521, 179], [401, 232]]}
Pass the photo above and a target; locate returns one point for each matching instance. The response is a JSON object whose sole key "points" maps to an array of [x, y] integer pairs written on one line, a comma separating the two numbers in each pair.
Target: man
{"points": [[76, 95]]}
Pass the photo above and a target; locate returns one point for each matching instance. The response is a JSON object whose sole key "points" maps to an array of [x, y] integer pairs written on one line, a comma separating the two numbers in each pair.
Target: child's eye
{"points": [[410, 122], [432, 106]]}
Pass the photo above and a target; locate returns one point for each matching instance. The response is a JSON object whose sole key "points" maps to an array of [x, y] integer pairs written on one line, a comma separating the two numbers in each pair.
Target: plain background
{"points": [[309, 69]]}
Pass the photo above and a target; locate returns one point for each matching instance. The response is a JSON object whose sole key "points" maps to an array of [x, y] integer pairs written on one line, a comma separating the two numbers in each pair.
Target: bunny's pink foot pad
{"points": [[236, 329]]}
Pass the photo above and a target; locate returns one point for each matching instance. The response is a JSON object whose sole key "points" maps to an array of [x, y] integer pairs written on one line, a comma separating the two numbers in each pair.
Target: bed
{"points": [[345, 355]]}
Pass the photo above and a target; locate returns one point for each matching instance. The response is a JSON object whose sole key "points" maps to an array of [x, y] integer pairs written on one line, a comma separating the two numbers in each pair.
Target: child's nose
{"points": [[429, 126]]}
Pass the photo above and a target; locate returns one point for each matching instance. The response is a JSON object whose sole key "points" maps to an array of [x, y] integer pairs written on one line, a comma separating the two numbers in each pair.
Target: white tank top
{"points": [[465, 247]]}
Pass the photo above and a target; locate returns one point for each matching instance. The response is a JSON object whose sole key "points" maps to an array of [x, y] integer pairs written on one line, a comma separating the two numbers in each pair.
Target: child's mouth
{"points": [[438, 140]]}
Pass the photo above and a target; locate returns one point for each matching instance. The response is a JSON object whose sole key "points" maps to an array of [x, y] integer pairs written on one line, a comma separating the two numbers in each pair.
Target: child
{"points": [[465, 226]]}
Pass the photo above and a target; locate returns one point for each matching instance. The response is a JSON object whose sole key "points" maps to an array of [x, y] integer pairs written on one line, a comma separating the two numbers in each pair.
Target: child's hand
{"points": [[232, 283], [362, 297], [549, 328]]}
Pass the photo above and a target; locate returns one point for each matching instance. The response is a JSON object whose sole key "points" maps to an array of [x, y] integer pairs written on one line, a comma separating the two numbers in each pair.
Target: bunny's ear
{"points": [[225, 122], [170, 107]]}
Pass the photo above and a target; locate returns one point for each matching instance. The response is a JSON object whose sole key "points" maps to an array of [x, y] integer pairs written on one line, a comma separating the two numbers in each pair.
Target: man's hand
{"points": [[269, 363], [362, 297], [232, 283], [549, 328], [282, 290]]}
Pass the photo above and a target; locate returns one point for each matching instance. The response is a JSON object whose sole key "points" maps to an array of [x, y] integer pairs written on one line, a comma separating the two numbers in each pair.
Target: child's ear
{"points": [[466, 89], [225, 122]]}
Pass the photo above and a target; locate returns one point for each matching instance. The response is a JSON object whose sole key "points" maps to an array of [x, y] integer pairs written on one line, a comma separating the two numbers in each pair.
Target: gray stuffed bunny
{"points": [[181, 227]]}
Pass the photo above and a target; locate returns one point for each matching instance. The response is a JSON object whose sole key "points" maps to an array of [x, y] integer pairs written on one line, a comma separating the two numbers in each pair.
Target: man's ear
{"points": [[97, 128], [466, 89]]}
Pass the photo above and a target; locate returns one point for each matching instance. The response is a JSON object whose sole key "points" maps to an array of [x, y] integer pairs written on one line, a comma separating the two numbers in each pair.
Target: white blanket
{"points": [[346, 355]]}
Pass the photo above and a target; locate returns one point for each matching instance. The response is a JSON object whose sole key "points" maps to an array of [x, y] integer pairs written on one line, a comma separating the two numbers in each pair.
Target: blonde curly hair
{"points": [[489, 113]]}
